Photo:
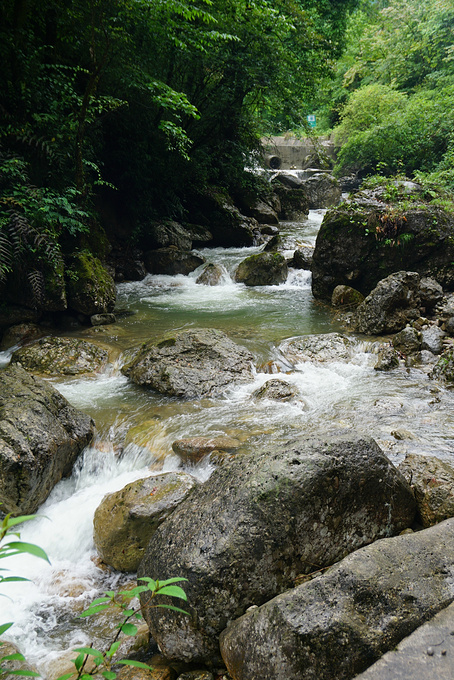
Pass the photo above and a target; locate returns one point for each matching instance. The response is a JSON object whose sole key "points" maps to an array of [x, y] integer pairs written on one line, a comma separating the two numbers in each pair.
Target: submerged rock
{"points": [[338, 624], [387, 358], [41, 435], [199, 362], [125, 520], [211, 275], [193, 449], [262, 269], [61, 356], [279, 390], [261, 520]]}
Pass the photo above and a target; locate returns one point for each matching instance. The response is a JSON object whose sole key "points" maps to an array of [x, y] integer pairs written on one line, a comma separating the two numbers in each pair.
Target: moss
{"points": [[90, 287]]}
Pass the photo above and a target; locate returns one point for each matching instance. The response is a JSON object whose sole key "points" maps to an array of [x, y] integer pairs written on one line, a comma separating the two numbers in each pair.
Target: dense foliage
{"points": [[393, 95], [126, 107]]}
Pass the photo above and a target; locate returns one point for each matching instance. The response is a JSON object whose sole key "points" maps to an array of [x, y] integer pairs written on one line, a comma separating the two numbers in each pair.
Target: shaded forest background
{"points": [[115, 113]]}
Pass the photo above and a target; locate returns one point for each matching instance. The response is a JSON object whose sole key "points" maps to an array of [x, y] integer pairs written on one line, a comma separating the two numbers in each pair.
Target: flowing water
{"points": [[403, 410]]}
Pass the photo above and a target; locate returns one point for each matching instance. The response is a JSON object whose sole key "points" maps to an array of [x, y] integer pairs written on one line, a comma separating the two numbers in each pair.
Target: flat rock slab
{"points": [[426, 654], [195, 363], [344, 620]]}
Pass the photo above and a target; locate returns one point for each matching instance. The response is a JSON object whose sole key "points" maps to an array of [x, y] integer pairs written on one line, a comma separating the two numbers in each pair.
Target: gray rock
{"points": [[322, 190], [261, 520], [302, 258], [346, 296], [263, 213], [168, 233], [432, 481], [449, 326], [199, 362], [211, 275], [430, 292], [294, 204], [171, 261], [61, 356], [326, 347], [426, 654], [262, 269], [21, 334], [338, 624], [444, 368], [407, 341], [287, 179], [390, 306], [359, 244], [11, 667], [432, 339], [274, 244], [41, 435], [279, 390], [387, 359], [125, 520]]}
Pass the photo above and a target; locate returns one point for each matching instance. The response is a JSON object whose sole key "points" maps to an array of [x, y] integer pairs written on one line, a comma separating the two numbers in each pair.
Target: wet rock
{"points": [[274, 244], [269, 230], [287, 179], [90, 287], [11, 668], [262, 269], [196, 675], [432, 481], [346, 296], [41, 435], [387, 359], [263, 213], [326, 347], [199, 234], [322, 190], [407, 341], [390, 306], [167, 233], [232, 228], [11, 315], [127, 264], [294, 204], [261, 520], [339, 623], [302, 258], [171, 261], [149, 435], [360, 243], [125, 520], [278, 390], [211, 275], [193, 449], [102, 319], [430, 292], [444, 368], [449, 325], [191, 364], [21, 334], [61, 356], [432, 339]]}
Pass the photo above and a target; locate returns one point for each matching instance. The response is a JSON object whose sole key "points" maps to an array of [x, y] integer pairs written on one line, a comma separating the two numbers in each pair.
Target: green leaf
{"points": [[128, 629], [27, 673], [89, 651], [4, 627], [109, 675], [147, 579], [136, 664], [175, 609], [66, 676], [78, 661], [30, 548], [172, 591], [94, 610], [12, 521], [113, 648], [176, 579]]}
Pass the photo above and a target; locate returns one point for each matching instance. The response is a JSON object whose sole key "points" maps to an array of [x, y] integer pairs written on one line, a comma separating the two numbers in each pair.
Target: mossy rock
{"points": [[90, 287], [61, 356], [262, 269]]}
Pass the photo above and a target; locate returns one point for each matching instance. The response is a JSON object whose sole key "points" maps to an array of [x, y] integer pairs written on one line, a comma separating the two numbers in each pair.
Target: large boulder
{"points": [[261, 520], [90, 287], [61, 356], [433, 484], [323, 348], [293, 202], [171, 261], [262, 269], [126, 520], [199, 362], [322, 190], [360, 243], [339, 623], [41, 435], [392, 304], [167, 233]]}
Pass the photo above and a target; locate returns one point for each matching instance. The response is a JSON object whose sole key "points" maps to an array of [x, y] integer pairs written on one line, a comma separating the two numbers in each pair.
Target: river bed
{"points": [[404, 411]]}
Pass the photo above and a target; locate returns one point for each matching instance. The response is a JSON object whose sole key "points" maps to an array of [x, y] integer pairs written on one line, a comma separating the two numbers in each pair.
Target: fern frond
{"points": [[36, 280]]}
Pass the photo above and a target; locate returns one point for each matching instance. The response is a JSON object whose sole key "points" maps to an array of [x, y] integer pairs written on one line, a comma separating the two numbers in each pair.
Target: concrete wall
{"points": [[288, 152]]}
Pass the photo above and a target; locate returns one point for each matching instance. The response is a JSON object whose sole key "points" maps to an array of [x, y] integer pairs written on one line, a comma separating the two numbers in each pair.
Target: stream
{"points": [[404, 411]]}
